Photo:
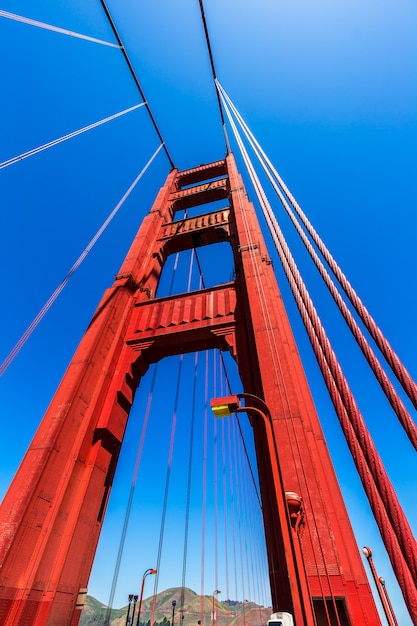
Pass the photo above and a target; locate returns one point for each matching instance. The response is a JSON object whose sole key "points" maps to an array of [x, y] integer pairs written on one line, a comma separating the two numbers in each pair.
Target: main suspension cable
{"points": [[213, 70], [391, 357], [38, 318], [376, 483], [135, 78], [391, 521], [380, 374]]}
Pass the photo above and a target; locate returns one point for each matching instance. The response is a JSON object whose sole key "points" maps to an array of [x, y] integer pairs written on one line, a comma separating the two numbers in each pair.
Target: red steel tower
{"points": [[51, 517]]}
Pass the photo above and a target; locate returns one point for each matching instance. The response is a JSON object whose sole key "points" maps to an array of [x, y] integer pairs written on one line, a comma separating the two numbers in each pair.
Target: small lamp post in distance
{"points": [[213, 614], [380, 586], [130, 598], [174, 604]]}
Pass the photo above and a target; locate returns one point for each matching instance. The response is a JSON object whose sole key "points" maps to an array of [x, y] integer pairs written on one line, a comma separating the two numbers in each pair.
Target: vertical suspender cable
{"points": [[246, 588], [215, 485], [239, 513], [167, 483], [190, 468], [250, 530], [229, 387], [252, 547], [232, 440], [204, 486], [250, 487], [260, 555], [130, 500], [225, 517], [190, 455], [169, 464]]}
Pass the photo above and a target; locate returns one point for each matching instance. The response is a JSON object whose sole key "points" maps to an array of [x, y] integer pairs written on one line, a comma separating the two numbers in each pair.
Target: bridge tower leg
{"points": [[52, 515]]}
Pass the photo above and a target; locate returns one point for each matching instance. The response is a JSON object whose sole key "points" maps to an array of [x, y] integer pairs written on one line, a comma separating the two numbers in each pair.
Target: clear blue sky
{"points": [[330, 91]]}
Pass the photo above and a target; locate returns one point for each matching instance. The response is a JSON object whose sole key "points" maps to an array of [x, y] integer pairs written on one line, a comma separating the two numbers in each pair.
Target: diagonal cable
{"points": [[56, 29], [75, 133], [38, 318]]}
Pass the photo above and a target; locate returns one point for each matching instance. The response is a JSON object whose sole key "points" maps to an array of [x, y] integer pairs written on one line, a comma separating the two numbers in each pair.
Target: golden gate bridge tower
{"points": [[53, 512]]}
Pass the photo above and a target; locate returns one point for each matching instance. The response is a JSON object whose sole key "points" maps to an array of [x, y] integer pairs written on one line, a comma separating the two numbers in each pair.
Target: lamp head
{"points": [[367, 552], [223, 407]]}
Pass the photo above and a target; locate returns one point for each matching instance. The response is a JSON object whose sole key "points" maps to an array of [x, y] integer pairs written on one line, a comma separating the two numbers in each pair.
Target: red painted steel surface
{"points": [[51, 517]]}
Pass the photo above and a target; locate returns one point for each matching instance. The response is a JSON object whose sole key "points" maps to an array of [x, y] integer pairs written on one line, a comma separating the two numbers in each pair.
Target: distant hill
{"points": [[195, 608]]}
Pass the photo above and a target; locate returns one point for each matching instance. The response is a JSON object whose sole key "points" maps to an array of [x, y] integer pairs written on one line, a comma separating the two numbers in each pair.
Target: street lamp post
{"points": [[146, 573], [380, 586], [130, 598], [135, 599], [382, 581], [174, 603], [298, 589], [213, 615]]}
